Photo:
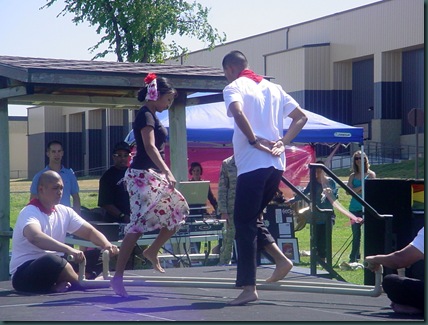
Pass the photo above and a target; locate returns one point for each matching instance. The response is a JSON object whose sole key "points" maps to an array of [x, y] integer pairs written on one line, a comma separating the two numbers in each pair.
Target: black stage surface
{"points": [[196, 304]]}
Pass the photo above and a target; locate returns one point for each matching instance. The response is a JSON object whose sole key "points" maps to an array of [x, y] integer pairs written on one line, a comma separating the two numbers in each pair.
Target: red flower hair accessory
{"points": [[152, 89], [150, 77]]}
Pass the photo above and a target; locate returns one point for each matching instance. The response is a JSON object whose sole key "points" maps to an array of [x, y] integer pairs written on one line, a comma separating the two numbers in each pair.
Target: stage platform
{"points": [[150, 303]]}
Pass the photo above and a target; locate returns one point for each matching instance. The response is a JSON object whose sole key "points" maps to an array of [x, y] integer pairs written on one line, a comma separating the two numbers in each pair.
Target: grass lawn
{"points": [[341, 236]]}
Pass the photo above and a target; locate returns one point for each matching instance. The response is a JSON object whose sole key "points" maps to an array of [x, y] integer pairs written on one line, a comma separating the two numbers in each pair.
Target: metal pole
{"points": [[312, 233], [229, 283], [417, 151]]}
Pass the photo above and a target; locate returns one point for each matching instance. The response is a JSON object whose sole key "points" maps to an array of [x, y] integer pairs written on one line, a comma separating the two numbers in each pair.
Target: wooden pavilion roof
{"points": [[44, 81]]}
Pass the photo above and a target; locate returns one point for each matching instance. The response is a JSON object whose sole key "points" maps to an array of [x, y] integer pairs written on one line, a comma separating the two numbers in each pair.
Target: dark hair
{"points": [[195, 164], [163, 86], [321, 163], [122, 145], [53, 142], [235, 58]]}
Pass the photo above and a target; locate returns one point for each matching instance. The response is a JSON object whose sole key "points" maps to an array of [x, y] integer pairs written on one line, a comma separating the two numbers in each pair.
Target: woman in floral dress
{"points": [[155, 203]]}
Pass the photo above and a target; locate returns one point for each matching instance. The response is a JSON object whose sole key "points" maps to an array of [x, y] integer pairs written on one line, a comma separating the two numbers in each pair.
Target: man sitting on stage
{"points": [[38, 262], [406, 294]]}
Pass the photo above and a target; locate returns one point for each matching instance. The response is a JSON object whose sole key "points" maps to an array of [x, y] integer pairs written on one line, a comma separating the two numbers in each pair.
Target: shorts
{"points": [[38, 275]]}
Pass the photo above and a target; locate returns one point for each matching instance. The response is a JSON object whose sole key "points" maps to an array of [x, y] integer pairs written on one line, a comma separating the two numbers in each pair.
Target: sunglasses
{"points": [[121, 156], [358, 158]]}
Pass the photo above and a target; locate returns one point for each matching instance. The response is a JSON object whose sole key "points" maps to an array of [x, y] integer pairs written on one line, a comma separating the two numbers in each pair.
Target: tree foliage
{"points": [[135, 30]]}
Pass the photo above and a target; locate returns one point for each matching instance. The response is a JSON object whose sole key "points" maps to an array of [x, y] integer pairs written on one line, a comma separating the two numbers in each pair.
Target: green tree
{"points": [[135, 30]]}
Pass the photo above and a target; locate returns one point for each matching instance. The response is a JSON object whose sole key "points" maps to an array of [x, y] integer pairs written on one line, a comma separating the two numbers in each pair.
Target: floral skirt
{"points": [[154, 204]]}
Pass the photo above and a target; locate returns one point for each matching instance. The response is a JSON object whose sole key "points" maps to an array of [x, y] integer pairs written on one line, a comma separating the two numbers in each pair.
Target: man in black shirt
{"points": [[112, 195]]}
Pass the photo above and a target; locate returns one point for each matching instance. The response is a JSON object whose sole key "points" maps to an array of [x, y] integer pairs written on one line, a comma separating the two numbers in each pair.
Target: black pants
{"points": [[404, 291], [38, 275], [254, 190], [321, 240], [41, 274], [356, 239]]}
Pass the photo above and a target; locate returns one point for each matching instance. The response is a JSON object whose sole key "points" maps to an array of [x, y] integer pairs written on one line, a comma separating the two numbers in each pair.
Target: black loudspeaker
{"points": [[279, 220], [383, 236]]}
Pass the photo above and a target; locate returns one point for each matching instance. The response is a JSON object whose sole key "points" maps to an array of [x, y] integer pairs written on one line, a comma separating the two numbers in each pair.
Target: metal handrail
{"points": [[368, 207], [296, 190], [302, 195], [314, 207]]}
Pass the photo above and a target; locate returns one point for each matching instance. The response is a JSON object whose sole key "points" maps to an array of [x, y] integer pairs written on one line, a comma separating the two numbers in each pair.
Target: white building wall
{"points": [[342, 75], [354, 34], [381, 31], [95, 119], [253, 47], [18, 149], [286, 67], [55, 119], [74, 122], [37, 117], [317, 68], [116, 116]]}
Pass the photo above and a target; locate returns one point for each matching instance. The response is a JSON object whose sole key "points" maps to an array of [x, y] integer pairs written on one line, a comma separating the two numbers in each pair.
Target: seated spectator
{"points": [[406, 294], [112, 194], [196, 172], [38, 262]]}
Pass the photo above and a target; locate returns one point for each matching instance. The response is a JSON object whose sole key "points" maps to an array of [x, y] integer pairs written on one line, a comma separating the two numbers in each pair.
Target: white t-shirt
{"points": [[418, 242], [264, 104], [61, 221]]}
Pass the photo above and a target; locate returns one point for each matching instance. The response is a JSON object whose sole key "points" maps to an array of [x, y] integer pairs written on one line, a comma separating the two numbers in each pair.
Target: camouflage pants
{"points": [[227, 245]]}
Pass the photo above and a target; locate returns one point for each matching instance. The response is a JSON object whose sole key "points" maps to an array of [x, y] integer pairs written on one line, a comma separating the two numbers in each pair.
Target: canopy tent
{"points": [[209, 123]]}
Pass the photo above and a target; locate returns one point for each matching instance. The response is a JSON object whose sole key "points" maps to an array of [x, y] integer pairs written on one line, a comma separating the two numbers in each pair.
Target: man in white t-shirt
{"points": [[38, 261], [258, 108], [406, 294]]}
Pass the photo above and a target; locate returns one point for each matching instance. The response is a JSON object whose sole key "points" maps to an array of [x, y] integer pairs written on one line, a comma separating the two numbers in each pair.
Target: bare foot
{"points": [[153, 258], [405, 309], [281, 270], [117, 285], [248, 295], [61, 287]]}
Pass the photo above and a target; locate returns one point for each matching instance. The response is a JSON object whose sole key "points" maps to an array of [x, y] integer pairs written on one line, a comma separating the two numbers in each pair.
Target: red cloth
{"points": [[250, 74], [39, 205]]}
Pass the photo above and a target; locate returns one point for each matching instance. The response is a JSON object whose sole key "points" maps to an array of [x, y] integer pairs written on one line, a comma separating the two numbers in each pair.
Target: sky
{"points": [[25, 30]]}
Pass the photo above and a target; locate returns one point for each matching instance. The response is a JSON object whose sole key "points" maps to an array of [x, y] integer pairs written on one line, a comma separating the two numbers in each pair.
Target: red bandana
{"points": [[39, 205], [250, 74]]}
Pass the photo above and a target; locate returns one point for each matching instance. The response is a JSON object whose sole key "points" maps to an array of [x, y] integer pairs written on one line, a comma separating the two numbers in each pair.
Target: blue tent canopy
{"points": [[209, 123]]}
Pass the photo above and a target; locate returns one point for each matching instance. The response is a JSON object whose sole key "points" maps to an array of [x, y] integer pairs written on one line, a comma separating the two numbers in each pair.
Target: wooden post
{"points": [[178, 144], [178, 138], [4, 188]]}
